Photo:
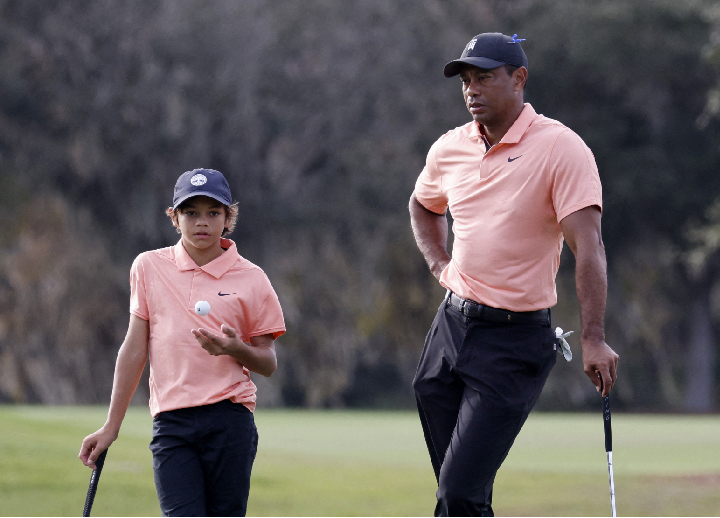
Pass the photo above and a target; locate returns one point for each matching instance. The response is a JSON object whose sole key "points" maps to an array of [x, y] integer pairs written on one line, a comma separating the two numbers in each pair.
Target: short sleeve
{"points": [[138, 292], [269, 317], [576, 182], [428, 187]]}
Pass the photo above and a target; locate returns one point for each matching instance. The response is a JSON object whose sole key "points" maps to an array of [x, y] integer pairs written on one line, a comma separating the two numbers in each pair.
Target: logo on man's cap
{"points": [[198, 180], [489, 50]]}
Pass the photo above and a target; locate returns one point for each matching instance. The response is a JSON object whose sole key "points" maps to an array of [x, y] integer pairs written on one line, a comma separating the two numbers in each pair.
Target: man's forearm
{"points": [[582, 233], [431, 234], [591, 285]]}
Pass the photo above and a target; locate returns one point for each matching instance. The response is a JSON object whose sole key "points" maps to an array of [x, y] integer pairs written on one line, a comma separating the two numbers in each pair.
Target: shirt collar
{"points": [[520, 126], [217, 267], [516, 131]]}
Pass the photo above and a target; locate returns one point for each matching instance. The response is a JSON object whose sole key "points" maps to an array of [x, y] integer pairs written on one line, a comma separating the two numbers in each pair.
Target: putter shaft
{"points": [[612, 483], [608, 450]]}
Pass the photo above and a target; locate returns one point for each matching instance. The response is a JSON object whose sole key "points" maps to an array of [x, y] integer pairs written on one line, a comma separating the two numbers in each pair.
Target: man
{"points": [[517, 184]]}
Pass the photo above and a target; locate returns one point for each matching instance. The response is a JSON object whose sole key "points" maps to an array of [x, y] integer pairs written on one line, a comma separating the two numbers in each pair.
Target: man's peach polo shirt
{"points": [[165, 284], [507, 204]]}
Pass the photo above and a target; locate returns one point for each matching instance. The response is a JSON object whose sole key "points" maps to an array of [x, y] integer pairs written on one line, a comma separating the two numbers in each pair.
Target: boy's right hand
{"points": [[94, 444]]}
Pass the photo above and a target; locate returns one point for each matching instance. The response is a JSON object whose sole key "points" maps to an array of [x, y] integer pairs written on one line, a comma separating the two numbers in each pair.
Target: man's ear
{"points": [[520, 78]]}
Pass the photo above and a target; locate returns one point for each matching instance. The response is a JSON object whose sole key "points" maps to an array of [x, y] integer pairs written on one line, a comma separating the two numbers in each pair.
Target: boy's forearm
{"points": [[128, 371], [257, 358]]}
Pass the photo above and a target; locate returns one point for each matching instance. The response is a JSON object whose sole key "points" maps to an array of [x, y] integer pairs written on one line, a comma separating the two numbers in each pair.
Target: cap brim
{"points": [[200, 193], [453, 68]]}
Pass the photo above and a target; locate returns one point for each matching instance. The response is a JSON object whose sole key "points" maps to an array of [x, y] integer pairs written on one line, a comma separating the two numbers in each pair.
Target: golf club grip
{"points": [[94, 479], [606, 421]]}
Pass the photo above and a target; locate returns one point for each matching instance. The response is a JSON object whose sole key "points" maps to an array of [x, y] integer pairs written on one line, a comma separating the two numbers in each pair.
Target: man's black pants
{"points": [[202, 459], [475, 386]]}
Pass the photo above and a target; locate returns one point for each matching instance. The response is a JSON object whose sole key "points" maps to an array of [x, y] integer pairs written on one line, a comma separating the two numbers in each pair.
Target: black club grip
{"points": [[94, 479], [606, 420]]}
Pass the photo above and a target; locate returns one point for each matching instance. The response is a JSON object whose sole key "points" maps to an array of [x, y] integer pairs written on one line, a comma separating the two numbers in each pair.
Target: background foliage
{"points": [[321, 115]]}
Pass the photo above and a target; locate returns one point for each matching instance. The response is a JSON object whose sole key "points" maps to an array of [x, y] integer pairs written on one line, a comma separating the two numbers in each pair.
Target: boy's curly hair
{"points": [[231, 211]]}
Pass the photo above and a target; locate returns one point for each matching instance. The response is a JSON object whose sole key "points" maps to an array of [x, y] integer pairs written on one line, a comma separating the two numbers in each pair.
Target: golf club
{"points": [[608, 446], [94, 479]]}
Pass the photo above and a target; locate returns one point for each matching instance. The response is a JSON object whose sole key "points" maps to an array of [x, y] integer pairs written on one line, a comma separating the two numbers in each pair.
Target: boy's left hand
{"points": [[257, 356], [218, 345]]}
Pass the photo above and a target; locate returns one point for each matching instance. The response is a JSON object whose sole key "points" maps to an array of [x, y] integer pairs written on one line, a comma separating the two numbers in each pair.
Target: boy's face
{"points": [[201, 221]]}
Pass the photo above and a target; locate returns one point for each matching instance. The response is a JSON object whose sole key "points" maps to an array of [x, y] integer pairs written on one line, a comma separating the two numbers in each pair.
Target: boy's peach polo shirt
{"points": [[165, 285], [507, 205]]}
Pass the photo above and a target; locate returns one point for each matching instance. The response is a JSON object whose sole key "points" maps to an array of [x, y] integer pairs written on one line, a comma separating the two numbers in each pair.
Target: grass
{"points": [[342, 463]]}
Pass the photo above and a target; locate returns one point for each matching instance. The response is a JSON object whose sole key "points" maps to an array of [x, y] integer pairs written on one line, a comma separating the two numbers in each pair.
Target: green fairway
{"points": [[343, 463]]}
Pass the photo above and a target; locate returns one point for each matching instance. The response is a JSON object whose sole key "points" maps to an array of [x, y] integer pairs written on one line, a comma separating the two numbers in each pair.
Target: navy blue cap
{"points": [[489, 50], [202, 182]]}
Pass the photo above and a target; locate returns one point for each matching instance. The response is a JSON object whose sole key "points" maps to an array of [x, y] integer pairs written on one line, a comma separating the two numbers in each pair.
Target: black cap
{"points": [[489, 50], [202, 182]]}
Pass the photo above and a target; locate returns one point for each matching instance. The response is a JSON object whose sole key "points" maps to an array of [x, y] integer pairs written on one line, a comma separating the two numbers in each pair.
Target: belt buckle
{"points": [[462, 306]]}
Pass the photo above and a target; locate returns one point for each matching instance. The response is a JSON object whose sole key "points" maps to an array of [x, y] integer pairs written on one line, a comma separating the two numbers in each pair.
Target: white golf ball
{"points": [[202, 307]]}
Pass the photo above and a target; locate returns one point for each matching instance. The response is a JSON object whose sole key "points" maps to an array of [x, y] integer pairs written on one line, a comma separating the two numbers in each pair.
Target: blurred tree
{"points": [[321, 118], [703, 267]]}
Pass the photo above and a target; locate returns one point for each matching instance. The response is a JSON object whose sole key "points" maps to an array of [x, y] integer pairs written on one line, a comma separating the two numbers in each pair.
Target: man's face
{"points": [[491, 95]]}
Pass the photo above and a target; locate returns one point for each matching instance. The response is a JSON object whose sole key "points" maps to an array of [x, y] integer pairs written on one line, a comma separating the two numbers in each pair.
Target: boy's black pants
{"points": [[202, 459], [475, 386]]}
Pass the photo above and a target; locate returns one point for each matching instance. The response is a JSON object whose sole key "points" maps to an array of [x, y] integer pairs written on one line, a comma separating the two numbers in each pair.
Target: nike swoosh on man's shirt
{"points": [[513, 159], [222, 294]]}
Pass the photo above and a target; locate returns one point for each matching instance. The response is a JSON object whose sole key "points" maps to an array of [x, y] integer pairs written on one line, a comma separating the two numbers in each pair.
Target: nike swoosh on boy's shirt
{"points": [[223, 294], [513, 159]]}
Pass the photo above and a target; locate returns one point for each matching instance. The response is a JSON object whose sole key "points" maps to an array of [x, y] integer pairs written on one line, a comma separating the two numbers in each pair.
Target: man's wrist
{"points": [[439, 267], [592, 339]]}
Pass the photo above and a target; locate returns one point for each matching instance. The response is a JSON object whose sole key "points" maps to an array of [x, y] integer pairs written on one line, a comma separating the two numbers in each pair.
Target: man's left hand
{"points": [[599, 360]]}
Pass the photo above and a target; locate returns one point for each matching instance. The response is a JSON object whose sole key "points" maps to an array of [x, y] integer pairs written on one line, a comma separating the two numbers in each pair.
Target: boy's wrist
{"points": [[112, 427], [237, 348], [112, 433]]}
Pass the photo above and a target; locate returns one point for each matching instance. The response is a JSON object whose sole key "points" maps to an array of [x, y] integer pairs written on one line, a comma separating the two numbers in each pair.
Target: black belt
{"points": [[470, 308]]}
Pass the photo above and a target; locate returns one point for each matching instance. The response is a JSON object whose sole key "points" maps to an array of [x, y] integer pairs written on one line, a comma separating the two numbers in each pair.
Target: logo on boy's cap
{"points": [[198, 180], [202, 182]]}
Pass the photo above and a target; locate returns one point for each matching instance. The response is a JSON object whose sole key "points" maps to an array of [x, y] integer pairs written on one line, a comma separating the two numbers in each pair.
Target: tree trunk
{"points": [[701, 357]]}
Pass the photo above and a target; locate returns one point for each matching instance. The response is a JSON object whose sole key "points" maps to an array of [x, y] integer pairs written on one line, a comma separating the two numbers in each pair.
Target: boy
{"points": [[201, 397]]}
